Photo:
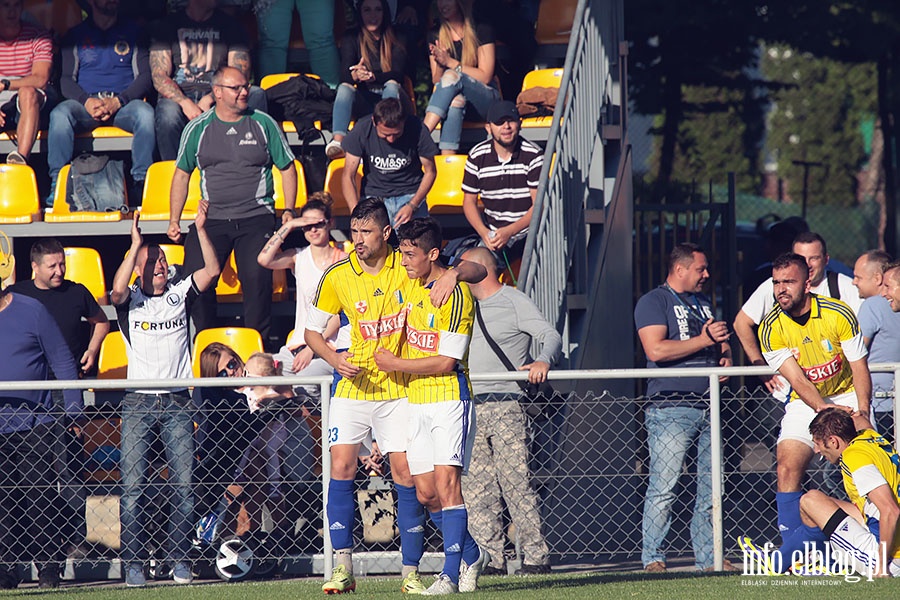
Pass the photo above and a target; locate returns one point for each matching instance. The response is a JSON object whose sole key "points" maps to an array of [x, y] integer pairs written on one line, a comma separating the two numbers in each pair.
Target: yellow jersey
{"points": [[823, 346], [867, 463], [375, 306], [444, 331]]}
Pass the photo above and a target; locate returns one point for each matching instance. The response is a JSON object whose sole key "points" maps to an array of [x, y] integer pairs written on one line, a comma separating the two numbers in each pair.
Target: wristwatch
{"points": [[5, 83], [458, 68]]}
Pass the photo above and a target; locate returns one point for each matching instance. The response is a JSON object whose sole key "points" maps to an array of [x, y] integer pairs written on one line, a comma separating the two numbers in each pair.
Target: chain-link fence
{"points": [[257, 479]]}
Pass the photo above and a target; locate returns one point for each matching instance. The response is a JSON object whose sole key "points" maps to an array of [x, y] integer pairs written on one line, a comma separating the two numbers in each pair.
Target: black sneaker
{"points": [[489, 570], [534, 570]]}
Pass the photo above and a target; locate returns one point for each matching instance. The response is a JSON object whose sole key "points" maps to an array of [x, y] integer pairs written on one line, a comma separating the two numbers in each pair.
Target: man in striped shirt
{"points": [[504, 172], [26, 56]]}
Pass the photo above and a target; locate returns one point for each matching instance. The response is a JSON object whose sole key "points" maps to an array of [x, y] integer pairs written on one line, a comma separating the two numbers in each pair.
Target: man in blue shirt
{"points": [[105, 77], [32, 344]]}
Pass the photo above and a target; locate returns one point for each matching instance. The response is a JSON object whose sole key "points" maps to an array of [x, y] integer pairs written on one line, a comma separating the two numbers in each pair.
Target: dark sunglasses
{"points": [[319, 225], [231, 366]]}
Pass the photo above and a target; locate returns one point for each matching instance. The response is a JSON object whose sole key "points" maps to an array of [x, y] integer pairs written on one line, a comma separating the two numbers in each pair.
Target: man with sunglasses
{"points": [[153, 318], [235, 148]]}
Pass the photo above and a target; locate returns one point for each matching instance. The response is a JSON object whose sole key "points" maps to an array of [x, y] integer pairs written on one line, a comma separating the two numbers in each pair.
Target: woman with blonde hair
{"points": [[462, 70]]}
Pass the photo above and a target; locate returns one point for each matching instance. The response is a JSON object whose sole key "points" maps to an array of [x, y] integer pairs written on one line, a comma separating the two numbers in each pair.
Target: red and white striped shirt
{"points": [[33, 44]]}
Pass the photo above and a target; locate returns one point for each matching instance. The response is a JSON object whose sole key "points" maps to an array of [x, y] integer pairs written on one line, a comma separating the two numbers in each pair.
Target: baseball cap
{"points": [[502, 110]]}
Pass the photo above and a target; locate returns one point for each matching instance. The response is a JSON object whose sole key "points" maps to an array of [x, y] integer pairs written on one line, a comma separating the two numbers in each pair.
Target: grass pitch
{"points": [[561, 586]]}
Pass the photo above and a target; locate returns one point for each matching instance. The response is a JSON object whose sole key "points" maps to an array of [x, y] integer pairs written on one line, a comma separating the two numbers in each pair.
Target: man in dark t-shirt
{"points": [[186, 50], [397, 155], [677, 330]]}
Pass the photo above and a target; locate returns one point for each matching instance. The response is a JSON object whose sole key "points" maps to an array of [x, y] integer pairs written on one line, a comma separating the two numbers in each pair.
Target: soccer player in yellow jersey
{"points": [[815, 343], [370, 288], [440, 401], [862, 532]]}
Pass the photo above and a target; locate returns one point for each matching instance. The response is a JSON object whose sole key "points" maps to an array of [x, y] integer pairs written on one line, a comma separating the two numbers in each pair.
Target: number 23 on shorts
{"points": [[332, 434]]}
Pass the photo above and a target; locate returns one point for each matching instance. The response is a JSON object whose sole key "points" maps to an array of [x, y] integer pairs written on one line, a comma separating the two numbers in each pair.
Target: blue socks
{"points": [[456, 528], [788, 511], [438, 519], [341, 510], [411, 521]]}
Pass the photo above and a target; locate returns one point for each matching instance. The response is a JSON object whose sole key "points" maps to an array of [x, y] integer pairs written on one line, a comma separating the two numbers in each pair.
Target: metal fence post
{"points": [[327, 550], [715, 447]]}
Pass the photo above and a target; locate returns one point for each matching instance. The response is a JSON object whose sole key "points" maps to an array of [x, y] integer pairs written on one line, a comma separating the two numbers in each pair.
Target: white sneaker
{"points": [[334, 150], [469, 574], [441, 587]]}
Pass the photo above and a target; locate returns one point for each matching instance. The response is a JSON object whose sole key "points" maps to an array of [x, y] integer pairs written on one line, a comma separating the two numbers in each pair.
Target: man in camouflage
{"points": [[498, 471]]}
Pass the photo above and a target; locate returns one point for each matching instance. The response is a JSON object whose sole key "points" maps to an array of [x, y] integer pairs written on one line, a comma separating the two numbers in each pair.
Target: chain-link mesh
{"points": [[586, 457]]}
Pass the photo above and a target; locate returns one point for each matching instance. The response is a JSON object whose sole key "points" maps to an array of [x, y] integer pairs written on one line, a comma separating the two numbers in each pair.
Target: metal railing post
{"points": [[715, 450], [327, 549]]}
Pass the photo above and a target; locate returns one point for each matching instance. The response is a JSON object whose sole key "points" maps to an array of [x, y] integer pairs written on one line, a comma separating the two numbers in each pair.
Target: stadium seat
{"points": [[243, 340], [276, 78], [19, 201], [157, 188], [59, 16], [113, 360], [334, 187], [550, 78], [83, 265], [62, 213], [554, 24], [228, 290], [446, 195], [302, 193]]}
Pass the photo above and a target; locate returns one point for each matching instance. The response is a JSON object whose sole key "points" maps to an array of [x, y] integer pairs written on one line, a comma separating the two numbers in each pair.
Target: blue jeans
{"points": [[317, 24], [70, 117], [670, 432], [475, 94], [395, 203], [173, 414], [351, 101], [171, 120]]}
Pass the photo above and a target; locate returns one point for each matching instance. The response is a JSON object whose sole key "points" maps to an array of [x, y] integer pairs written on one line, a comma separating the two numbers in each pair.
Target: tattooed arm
{"points": [[161, 72]]}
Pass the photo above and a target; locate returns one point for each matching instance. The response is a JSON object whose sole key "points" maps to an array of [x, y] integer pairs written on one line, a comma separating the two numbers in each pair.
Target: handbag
{"points": [[536, 398]]}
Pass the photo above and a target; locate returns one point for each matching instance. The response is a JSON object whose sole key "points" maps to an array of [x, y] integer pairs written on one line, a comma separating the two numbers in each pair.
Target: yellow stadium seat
{"points": [[243, 340], [228, 290], [83, 265], [542, 78], [62, 212], [446, 195], [19, 201], [157, 188], [334, 186], [300, 200], [112, 362]]}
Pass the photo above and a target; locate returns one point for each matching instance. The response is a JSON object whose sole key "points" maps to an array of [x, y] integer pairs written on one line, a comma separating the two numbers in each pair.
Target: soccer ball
{"points": [[234, 560]]}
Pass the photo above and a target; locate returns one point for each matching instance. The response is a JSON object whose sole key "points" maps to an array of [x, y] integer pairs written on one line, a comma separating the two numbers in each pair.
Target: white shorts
{"points": [[440, 433], [798, 415], [858, 547], [359, 421]]}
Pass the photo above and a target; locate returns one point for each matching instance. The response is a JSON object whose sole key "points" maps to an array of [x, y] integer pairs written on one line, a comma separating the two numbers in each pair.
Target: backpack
{"points": [[96, 184], [303, 100]]}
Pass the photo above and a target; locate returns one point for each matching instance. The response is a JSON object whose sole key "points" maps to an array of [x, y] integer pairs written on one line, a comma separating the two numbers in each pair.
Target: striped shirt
{"points": [[504, 187], [32, 45], [375, 306], [823, 347], [444, 331]]}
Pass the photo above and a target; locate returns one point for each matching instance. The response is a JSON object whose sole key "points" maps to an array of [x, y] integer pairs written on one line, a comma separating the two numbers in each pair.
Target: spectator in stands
{"points": [[235, 148], [677, 330], [373, 62], [397, 155], [462, 56], [187, 49], [26, 58], [498, 472], [105, 78], [154, 321], [880, 327], [308, 265], [503, 172], [317, 24], [83, 325], [33, 345]]}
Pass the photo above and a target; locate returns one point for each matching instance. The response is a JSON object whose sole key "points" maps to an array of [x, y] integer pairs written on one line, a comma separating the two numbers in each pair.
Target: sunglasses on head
{"points": [[231, 366], [319, 225]]}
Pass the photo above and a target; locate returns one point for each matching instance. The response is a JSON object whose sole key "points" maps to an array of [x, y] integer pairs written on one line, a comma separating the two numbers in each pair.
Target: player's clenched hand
{"points": [[344, 367], [385, 360]]}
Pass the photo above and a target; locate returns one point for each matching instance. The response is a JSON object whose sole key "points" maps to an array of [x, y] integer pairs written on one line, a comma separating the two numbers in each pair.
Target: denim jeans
{"points": [[317, 24], [395, 203], [476, 94], [351, 101], [172, 413], [171, 120], [70, 117], [670, 432]]}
